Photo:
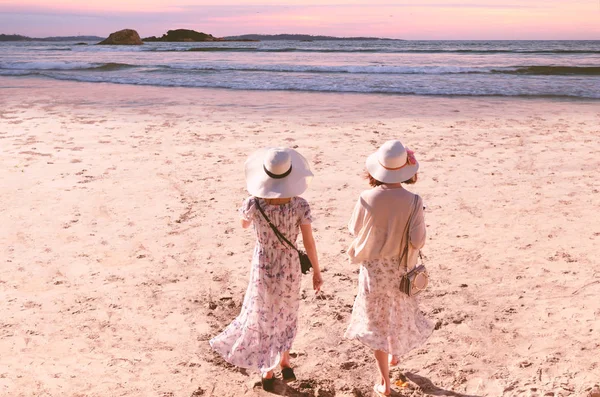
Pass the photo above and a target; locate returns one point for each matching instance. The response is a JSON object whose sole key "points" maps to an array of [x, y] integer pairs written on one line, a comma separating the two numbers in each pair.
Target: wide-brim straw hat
{"points": [[277, 173], [390, 163]]}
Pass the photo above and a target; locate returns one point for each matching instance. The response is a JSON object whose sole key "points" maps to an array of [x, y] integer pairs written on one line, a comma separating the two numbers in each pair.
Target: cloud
{"points": [[238, 9], [428, 20], [171, 13]]}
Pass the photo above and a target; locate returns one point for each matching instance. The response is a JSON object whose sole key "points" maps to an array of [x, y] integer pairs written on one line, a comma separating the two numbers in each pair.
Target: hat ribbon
{"points": [[393, 169], [277, 176]]}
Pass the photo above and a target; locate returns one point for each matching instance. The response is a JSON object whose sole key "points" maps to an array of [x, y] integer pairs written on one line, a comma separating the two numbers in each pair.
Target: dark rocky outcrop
{"points": [[14, 37], [123, 37], [17, 37], [182, 35], [186, 35]]}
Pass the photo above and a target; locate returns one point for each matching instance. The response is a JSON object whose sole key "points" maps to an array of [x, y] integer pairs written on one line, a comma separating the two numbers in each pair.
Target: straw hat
{"points": [[392, 163], [277, 173]]}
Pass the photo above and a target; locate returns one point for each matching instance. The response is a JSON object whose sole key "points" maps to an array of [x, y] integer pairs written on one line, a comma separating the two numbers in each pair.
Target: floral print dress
{"points": [[266, 326], [383, 317]]}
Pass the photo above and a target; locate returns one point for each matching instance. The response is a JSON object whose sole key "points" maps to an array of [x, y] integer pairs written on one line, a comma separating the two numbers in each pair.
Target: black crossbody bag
{"points": [[305, 264]]}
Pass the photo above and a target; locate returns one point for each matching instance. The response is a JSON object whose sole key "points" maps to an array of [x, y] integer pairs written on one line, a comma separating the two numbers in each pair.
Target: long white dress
{"points": [[383, 317], [266, 325]]}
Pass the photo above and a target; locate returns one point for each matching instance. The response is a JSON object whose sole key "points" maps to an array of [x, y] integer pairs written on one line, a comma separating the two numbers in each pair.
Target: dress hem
{"points": [[386, 349]]}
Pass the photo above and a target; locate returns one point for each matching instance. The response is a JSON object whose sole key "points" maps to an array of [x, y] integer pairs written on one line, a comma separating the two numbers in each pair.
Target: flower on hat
{"points": [[411, 157]]}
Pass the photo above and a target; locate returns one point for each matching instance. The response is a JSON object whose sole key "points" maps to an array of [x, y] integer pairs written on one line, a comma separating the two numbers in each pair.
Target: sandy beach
{"points": [[121, 252]]}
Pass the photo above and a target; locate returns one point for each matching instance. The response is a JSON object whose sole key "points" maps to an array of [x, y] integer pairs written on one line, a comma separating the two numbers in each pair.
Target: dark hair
{"points": [[374, 182]]}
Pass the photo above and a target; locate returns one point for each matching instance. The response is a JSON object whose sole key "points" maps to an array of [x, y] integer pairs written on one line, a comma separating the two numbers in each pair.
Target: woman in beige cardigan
{"points": [[384, 318]]}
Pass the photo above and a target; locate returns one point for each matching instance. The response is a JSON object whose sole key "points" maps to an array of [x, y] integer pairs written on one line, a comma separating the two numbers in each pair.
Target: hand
{"points": [[317, 282]]}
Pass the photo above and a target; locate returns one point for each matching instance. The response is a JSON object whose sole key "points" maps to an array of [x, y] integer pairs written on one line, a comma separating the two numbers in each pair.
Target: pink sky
{"points": [[468, 19]]}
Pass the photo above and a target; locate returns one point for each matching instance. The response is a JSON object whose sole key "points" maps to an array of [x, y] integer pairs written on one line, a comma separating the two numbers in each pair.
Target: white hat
{"points": [[392, 163], [277, 173]]}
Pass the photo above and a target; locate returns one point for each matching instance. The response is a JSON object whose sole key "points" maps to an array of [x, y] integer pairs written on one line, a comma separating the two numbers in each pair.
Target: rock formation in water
{"points": [[179, 35], [123, 37], [186, 35]]}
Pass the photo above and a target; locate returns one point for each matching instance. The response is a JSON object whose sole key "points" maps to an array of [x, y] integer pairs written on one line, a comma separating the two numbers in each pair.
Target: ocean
{"points": [[569, 69]]}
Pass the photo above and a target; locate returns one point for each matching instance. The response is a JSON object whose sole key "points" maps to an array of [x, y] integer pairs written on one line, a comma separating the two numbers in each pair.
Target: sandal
{"points": [[380, 394], [288, 374], [268, 383]]}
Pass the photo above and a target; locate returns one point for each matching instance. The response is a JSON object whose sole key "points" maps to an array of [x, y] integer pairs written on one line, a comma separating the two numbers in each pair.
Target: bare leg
{"points": [[394, 360], [285, 360], [286, 368], [267, 375], [384, 370]]}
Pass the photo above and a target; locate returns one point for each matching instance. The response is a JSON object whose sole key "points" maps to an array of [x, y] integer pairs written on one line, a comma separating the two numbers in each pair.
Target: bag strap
{"points": [[406, 231], [282, 239]]}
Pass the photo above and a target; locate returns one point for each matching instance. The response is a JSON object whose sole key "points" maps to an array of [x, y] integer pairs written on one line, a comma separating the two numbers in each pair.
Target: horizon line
{"points": [[298, 34]]}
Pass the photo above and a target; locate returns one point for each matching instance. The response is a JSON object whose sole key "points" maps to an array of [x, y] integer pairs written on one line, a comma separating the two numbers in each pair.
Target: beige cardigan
{"points": [[378, 224]]}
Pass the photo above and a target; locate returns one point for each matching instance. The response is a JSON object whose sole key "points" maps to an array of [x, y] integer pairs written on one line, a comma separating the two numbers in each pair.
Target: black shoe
{"points": [[268, 384], [288, 374]]}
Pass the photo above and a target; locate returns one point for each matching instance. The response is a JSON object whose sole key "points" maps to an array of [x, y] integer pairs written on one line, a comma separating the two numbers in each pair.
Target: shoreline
{"points": [[358, 93], [122, 253], [274, 100]]}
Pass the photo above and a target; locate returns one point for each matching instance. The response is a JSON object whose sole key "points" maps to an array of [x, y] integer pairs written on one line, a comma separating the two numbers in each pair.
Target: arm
{"points": [[417, 226], [311, 251], [357, 219], [246, 212]]}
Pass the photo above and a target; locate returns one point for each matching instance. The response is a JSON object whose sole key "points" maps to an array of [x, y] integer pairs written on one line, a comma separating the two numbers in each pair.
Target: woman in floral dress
{"points": [[384, 318], [261, 336]]}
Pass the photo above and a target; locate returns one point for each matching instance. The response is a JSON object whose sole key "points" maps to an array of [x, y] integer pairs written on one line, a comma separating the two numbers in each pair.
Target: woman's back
{"points": [[379, 224], [287, 218]]}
